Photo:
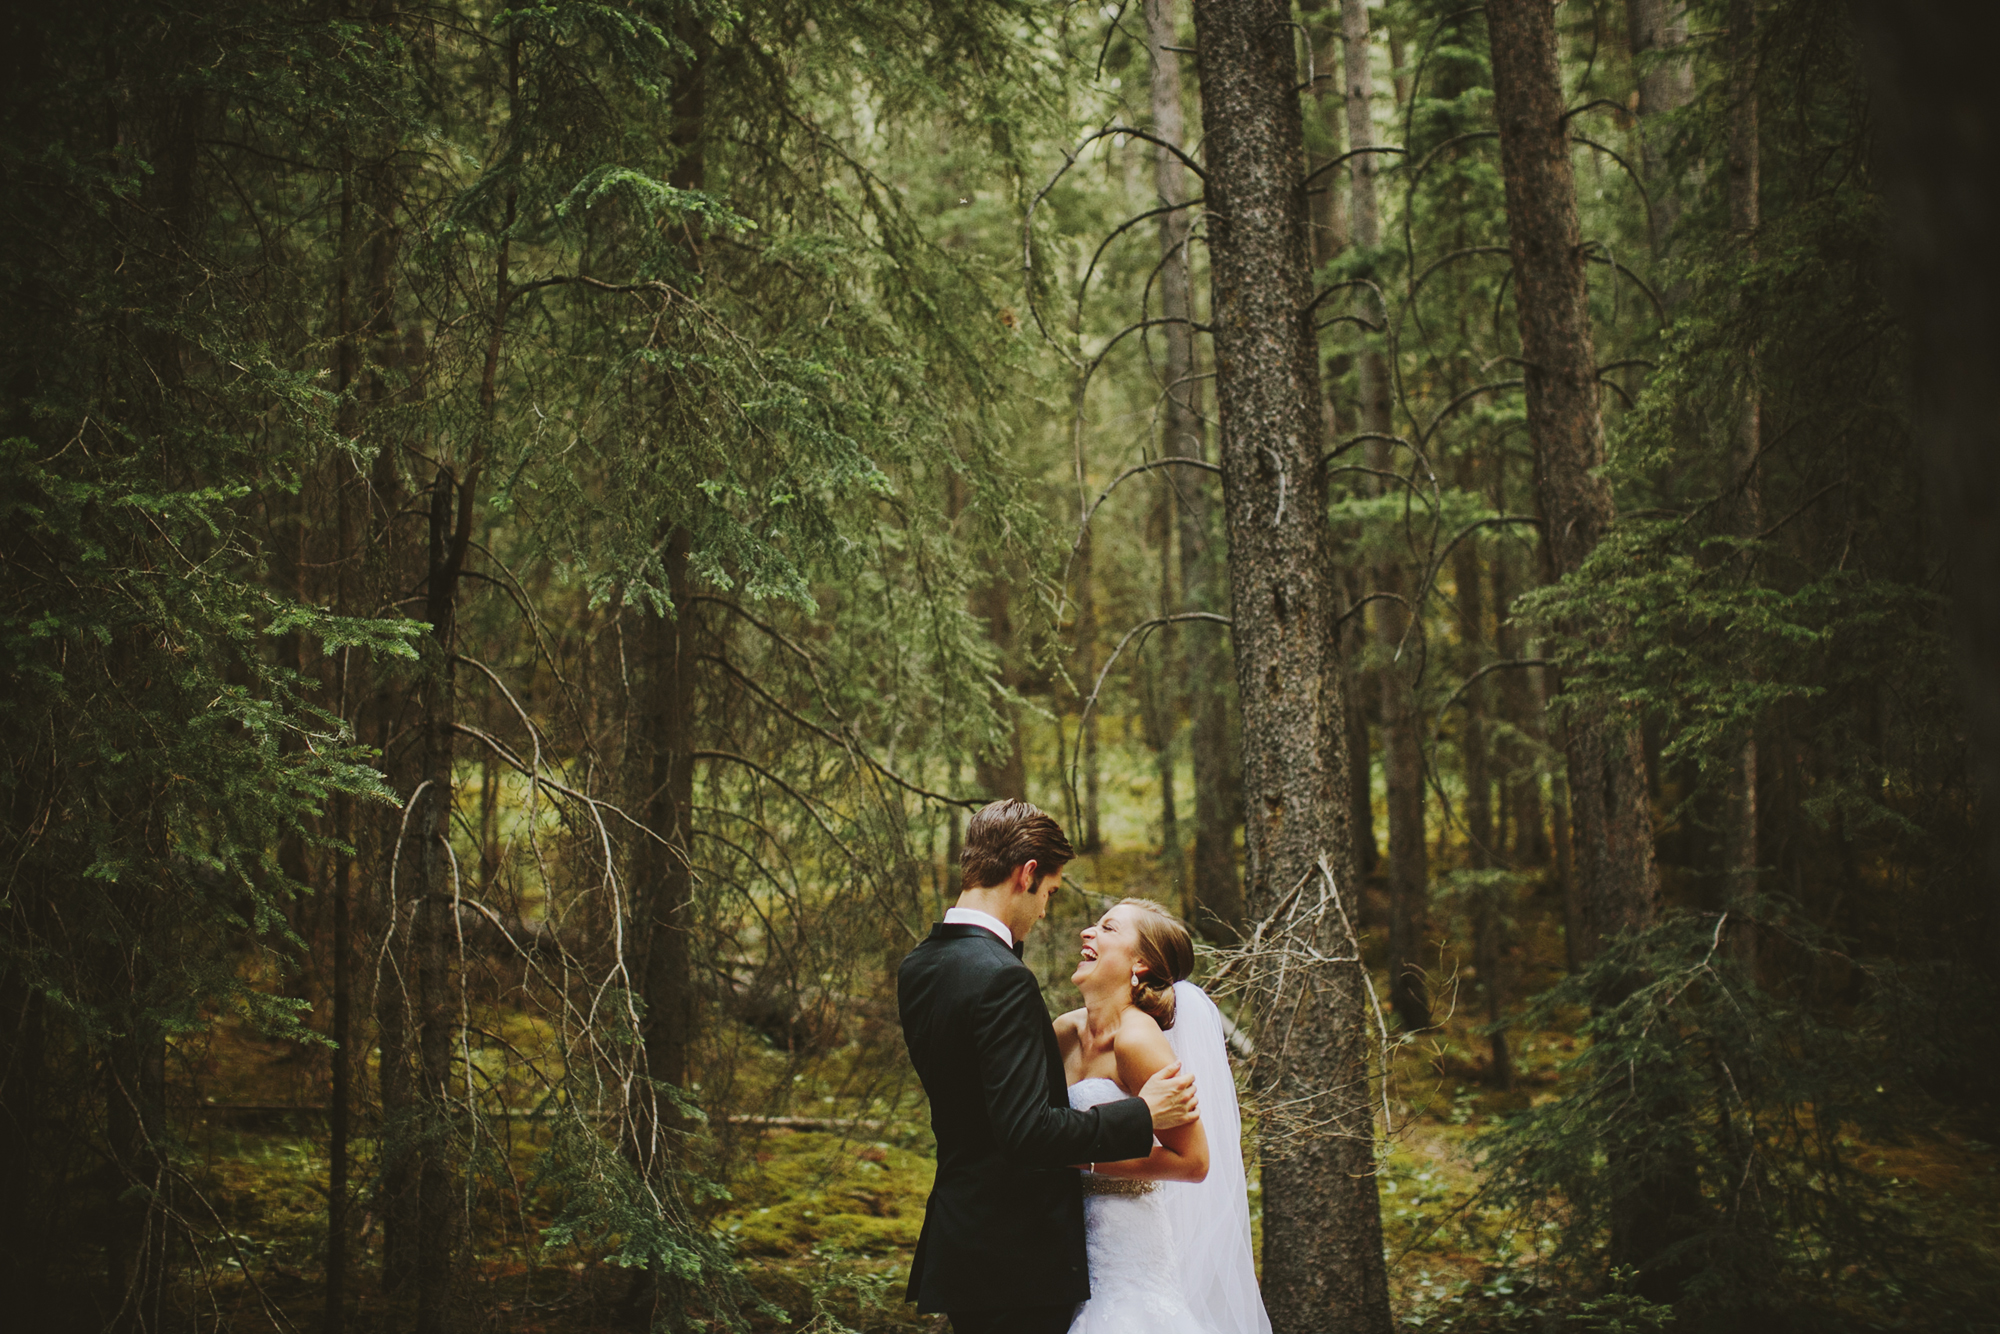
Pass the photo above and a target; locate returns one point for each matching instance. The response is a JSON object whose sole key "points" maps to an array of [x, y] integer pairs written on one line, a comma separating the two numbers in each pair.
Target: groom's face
{"points": [[1041, 887]]}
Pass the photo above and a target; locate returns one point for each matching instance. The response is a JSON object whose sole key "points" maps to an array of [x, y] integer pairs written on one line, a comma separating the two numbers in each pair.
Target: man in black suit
{"points": [[1002, 1250]]}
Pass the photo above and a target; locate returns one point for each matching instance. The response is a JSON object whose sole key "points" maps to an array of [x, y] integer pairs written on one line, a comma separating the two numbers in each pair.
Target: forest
{"points": [[528, 529]]}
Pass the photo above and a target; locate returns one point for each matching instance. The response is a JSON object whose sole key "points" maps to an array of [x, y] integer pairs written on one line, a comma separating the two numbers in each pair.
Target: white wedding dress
{"points": [[1133, 1287], [1170, 1257]]}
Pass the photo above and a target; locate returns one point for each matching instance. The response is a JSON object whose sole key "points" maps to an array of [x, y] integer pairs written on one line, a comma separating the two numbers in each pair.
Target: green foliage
{"points": [[1693, 1071]]}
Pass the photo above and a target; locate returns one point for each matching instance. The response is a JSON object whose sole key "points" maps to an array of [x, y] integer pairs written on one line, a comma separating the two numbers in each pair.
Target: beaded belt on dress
{"points": [[1095, 1183]]}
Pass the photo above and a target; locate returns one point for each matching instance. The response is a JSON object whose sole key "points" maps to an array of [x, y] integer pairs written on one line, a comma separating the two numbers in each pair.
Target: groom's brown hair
{"points": [[1008, 833]]}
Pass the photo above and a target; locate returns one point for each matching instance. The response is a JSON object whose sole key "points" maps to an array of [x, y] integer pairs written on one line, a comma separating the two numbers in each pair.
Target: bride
{"points": [[1168, 1235]]}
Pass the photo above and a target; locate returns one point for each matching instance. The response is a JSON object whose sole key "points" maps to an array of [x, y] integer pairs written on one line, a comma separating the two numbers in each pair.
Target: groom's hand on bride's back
{"points": [[1169, 1096]]}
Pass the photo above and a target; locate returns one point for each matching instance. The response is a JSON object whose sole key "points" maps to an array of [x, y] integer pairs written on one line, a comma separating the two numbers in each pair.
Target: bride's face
{"points": [[1110, 951]]}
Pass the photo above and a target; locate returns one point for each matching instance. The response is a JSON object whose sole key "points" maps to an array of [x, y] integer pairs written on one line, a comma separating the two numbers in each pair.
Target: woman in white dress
{"points": [[1168, 1236]]}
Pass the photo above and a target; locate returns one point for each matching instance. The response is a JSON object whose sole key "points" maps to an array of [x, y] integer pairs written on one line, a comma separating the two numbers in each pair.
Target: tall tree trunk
{"points": [[1607, 779], [663, 895], [1521, 707], [1489, 917], [1217, 893], [340, 1108], [1086, 646], [1658, 32], [1002, 773], [1402, 743], [664, 880], [1323, 1265], [1360, 764], [1607, 789], [1745, 509], [1331, 235], [453, 506], [340, 1101], [1330, 232], [663, 865], [435, 917], [1159, 698]]}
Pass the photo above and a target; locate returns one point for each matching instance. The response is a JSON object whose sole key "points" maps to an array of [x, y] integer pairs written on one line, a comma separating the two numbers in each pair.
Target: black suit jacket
{"points": [[1004, 1225]]}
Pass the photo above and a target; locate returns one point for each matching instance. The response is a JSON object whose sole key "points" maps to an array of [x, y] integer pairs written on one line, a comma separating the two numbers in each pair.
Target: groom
{"points": [[1002, 1249]]}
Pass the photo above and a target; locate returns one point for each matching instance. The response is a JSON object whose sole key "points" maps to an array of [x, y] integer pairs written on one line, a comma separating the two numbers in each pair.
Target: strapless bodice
{"points": [[1092, 1092]]}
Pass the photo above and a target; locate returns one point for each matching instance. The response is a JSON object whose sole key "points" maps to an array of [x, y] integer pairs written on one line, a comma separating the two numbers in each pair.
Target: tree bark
{"points": [[1216, 907], [1323, 1266], [1402, 743]]}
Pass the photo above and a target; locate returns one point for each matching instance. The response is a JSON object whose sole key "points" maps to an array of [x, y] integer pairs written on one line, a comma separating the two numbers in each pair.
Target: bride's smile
{"points": [[1108, 950]]}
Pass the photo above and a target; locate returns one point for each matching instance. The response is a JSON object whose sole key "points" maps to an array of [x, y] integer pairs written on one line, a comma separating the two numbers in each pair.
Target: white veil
{"points": [[1211, 1219]]}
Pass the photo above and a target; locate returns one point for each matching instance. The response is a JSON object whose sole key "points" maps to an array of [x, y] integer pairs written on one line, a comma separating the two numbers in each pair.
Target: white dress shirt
{"points": [[974, 917]]}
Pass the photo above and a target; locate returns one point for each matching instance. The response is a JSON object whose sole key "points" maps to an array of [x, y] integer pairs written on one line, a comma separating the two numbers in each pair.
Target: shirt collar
{"points": [[974, 917]]}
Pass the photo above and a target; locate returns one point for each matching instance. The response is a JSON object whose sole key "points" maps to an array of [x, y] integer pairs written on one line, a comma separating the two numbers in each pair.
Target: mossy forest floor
{"points": [[823, 1223]]}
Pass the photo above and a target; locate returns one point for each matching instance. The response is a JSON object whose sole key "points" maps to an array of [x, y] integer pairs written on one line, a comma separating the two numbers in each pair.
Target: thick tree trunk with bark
{"points": [[1217, 892], [1323, 1265]]}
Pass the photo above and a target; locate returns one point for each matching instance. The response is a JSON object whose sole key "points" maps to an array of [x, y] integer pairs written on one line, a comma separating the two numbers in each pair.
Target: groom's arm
{"points": [[1010, 1029]]}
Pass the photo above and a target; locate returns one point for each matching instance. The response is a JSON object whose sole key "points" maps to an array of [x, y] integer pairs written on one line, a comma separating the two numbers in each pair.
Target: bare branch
{"points": [[1473, 679]]}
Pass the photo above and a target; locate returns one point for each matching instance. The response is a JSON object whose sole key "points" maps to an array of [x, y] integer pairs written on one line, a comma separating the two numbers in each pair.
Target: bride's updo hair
{"points": [[1167, 950]]}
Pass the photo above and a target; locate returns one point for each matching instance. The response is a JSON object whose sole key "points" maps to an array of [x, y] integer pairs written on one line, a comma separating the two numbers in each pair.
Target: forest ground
{"points": [[824, 1222]]}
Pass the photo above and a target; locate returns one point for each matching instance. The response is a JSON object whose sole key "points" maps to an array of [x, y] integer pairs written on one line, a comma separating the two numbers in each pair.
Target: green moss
{"points": [[811, 1191]]}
